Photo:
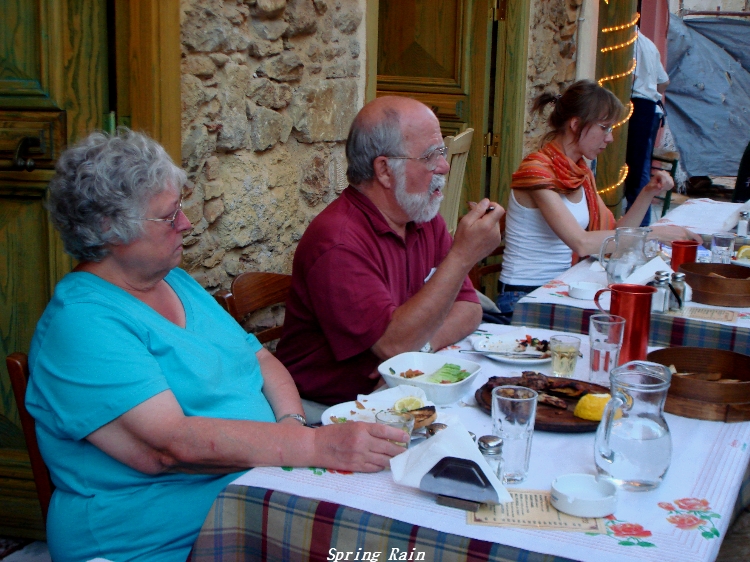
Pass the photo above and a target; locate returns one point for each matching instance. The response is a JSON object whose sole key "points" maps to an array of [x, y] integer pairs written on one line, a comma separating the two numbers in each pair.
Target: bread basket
{"points": [[718, 284], [715, 400]]}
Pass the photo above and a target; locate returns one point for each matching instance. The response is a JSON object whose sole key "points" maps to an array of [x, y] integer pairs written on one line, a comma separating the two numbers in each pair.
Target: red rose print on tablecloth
{"points": [[629, 530], [692, 513], [627, 534], [685, 521]]}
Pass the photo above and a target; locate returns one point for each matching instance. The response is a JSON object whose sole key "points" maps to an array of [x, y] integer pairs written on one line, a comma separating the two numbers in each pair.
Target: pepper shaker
{"points": [[678, 284], [491, 447]]}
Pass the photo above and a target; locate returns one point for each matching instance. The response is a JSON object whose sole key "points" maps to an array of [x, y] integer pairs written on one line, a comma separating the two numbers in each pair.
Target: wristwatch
{"points": [[300, 418], [427, 348]]}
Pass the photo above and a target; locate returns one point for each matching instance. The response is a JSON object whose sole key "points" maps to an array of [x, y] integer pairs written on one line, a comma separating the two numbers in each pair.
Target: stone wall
{"points": [[269, 89], [552, 59]]}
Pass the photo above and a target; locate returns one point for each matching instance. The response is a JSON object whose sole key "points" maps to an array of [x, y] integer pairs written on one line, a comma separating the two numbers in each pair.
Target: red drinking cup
{"points": [[683, 251], [632, 302]]}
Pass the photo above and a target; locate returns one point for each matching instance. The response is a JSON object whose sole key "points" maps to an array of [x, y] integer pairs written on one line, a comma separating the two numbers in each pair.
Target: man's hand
{"points": [[478, 232], [357, 446], [661, 182]]}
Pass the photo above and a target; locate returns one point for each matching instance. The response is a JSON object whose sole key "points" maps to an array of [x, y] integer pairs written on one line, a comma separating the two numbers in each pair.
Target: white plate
{"points": [[351, 411], [744, 262], [508, 343]]}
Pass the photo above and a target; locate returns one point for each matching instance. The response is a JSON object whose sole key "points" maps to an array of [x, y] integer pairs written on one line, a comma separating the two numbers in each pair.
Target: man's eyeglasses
{"points": [[606, 128], [171, 219], [431, 160]]}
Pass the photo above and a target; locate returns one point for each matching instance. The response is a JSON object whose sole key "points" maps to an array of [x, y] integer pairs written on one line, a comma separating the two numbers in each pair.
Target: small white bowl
{"points": [[428, 363], [583, 495], [584, 290]]}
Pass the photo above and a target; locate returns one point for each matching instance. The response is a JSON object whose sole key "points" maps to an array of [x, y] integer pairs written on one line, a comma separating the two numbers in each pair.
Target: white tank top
{"points": [[533, 253]]}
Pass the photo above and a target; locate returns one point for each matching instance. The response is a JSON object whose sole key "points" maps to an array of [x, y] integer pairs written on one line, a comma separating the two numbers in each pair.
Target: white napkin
{"points": [[409, 467], [517, 333], [731, 221], [645, 273]]}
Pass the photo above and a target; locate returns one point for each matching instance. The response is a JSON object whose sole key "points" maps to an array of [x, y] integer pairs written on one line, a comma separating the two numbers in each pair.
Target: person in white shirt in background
{"points": [[649, 83]]}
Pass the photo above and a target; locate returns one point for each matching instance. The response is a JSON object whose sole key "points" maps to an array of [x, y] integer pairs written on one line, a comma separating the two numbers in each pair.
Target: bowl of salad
{"points": [[444, 379]]}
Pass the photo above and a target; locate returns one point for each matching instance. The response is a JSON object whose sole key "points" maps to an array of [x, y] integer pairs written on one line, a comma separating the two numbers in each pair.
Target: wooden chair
{"points": [[458, 152], [487, 266], [252, 291], [18, 369], [666, 160]]}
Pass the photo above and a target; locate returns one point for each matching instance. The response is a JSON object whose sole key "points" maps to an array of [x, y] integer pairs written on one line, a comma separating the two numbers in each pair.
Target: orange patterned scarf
{"points": [[551, 169]]}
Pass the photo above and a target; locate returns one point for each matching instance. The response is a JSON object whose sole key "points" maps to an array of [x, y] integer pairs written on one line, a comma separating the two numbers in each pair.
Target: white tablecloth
{"points": [[709, 460]]}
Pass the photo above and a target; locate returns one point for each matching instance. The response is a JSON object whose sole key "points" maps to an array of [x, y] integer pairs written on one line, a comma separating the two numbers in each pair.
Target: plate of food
{"points": [[564, 406], [401, 399], [517, 348]]}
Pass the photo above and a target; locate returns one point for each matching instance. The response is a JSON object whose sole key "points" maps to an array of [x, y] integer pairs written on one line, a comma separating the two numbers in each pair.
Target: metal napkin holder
{"points": [[459, 483]]}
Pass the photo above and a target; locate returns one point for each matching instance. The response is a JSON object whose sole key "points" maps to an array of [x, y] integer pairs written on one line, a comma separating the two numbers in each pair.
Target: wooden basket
{"points": [[718, 284], [704, 399]]}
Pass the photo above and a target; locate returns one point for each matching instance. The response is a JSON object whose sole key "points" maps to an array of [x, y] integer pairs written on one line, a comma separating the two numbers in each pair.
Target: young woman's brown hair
{"points": [[584, 99]]}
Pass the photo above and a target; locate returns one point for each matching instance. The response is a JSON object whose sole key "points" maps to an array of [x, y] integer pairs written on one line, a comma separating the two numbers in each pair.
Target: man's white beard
{"points": [[419, 207]]}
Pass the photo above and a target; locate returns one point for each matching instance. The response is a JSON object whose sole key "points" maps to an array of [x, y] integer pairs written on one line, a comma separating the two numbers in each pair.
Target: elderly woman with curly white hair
{"points": [[148, 397]]}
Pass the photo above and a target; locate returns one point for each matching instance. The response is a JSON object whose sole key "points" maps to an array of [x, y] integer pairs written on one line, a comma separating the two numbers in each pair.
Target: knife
{"points": [[507, 353]]}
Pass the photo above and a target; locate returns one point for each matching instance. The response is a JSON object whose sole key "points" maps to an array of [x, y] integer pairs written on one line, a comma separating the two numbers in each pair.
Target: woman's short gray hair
{"points": [[101, 188], [367, 141]]}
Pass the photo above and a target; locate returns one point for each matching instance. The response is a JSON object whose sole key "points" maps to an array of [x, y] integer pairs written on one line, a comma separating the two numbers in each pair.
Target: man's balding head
{"points": [[383, 127]]}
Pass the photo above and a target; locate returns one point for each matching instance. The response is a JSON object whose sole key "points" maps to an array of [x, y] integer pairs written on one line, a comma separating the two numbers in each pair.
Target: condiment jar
{"points": [[742, 225], [660, 299], [678, 286], [491, 447]]}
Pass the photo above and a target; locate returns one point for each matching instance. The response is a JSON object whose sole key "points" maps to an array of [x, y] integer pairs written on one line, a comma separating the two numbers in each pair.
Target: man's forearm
{"points": [[462, 320]]}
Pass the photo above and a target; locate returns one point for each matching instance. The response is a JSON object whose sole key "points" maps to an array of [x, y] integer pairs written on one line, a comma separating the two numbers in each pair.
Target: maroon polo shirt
{"points": [[350, 272]]}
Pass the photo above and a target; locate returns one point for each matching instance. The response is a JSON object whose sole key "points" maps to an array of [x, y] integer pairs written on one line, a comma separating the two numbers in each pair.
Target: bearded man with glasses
{"points": [[377, 273]]}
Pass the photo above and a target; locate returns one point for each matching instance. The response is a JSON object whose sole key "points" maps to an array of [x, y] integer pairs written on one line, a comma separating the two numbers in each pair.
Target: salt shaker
{"points": [[743, 223], [678, 284], [491, 447], [660, 299]]}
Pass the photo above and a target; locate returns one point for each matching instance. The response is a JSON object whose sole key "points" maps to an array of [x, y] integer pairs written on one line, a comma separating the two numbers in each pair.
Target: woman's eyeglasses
{"points": [[431, 159], [171, 219], [606, 128]]}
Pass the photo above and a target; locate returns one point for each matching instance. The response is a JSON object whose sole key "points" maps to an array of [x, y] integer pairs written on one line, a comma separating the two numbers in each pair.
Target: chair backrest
{"points": [[255, 290], [666, 160], [18, 369], [485, 267], [458, 152]]}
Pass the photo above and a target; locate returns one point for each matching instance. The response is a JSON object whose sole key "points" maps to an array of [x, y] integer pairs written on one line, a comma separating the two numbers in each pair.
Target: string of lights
{"points": [[623, 175], [628, 72], [623, 26], [627, 118], [620, 45]]}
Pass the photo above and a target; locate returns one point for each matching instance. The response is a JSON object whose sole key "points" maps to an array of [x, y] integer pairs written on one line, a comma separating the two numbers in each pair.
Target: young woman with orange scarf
{"points": [[554, 212]]}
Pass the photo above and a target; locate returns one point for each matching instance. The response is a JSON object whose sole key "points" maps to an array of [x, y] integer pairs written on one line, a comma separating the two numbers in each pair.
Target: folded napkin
{"points": [[510, 335], [645, 273], [409, 467]]}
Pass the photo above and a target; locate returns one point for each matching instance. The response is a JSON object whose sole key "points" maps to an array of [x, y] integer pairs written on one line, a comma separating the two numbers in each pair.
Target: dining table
{"points": [[697, 325], [283, 513]]}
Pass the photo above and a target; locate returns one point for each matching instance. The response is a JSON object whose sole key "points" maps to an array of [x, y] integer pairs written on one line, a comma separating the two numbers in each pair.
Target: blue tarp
{"points": [[708, 98]]}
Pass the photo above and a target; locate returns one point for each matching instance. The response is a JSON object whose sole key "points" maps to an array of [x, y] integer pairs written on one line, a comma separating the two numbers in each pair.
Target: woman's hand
{"points": [[668, 233], [661, 182], [357, 446]]}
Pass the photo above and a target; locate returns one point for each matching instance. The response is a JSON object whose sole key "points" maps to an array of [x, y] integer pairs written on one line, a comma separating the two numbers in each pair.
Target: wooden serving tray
{"points": [[705, 399], [549, 418], [718, 284]]}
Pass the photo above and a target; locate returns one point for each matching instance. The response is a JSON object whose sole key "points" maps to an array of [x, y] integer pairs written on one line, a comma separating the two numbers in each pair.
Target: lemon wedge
{"points": [[408, 403], [591, 406], [743, 253]]}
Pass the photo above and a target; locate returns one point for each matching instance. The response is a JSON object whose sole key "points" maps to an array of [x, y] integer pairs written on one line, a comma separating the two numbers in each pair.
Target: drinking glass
{"points": [[400, 420], [722, 247], [513, 415], [564, 350], [605, 339]]}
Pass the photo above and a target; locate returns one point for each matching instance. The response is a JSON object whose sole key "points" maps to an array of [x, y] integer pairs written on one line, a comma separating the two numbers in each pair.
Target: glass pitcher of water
{"points": [[633, 444], [632, 250]]}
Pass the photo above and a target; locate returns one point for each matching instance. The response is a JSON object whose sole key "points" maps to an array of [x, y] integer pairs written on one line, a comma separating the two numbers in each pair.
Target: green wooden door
{"points": [[53, 89]]}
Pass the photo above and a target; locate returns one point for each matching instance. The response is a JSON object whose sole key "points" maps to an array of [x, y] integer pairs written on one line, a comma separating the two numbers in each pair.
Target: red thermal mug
{"points": [[632, 302], [683, 251]]}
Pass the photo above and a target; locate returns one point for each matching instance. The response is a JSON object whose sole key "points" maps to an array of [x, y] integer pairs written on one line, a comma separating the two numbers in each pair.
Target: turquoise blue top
{"points": [[97, 352]]}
